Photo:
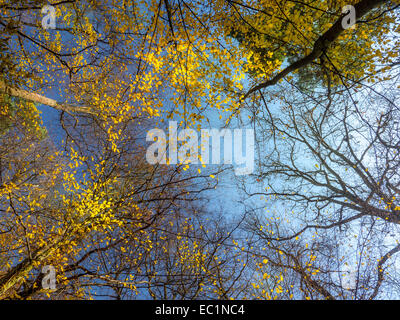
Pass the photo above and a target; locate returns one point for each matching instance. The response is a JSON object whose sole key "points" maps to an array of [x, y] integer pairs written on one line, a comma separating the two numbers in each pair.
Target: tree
{"points": [[321, 122], [93, 208]]}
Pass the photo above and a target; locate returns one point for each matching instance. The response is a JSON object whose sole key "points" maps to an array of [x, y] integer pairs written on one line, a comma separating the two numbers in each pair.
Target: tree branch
{"points": [[322, 43]]}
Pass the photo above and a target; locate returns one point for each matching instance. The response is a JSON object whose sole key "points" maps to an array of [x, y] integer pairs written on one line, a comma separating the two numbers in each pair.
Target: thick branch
{"points": [[322, 43], [382, 261]]}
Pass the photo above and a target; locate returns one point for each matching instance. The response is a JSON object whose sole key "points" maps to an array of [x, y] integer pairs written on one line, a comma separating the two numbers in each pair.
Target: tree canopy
{"points": [[81, 82]]}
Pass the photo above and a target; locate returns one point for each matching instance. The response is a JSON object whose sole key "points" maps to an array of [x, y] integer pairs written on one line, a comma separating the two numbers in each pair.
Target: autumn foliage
{"points": [[76, 191]]}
